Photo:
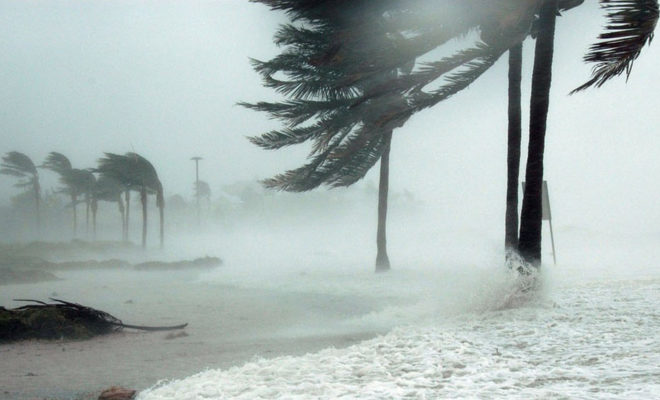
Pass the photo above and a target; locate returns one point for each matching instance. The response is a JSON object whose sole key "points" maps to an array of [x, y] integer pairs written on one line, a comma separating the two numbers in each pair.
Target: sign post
{"points": [[547, 215]]}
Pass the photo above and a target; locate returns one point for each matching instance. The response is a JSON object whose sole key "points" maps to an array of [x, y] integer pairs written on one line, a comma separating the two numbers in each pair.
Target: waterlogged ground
{"points": [[315, 324], [588, 340]]}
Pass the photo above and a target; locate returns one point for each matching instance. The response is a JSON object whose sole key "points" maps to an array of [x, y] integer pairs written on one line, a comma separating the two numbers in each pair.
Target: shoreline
{"points": [[228, 326]]}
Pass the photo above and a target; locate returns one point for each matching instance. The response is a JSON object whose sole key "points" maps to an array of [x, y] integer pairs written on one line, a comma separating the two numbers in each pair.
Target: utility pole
{"points": [[196, 160]]}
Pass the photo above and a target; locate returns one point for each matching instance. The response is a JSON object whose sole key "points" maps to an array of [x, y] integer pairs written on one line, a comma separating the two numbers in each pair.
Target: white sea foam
{"points": [[586, 340]]}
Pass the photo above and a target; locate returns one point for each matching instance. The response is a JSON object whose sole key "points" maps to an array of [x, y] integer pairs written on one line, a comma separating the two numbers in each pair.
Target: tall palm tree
{"points": [[513, 148], [631, 24], [334, 163], [21, 166], [331, 49], [529, 245], [382, 259]]}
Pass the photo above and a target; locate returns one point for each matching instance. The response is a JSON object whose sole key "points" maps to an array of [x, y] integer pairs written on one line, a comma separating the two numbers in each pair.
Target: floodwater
{"points": [[312, 323]]}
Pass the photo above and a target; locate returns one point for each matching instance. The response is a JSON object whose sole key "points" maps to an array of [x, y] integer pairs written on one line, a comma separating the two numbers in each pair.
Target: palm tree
{"points": [[135, 172], [529, 245], [146, 178], [631, 26], [75, 181], [115, 167], [336, 49], [21, 166], [513, 148], [110, 190], [334, 163], [88, 183]]}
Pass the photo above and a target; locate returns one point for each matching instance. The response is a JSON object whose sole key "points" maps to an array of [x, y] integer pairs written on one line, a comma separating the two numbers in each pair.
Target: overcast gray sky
{"points": [[162, 78]]}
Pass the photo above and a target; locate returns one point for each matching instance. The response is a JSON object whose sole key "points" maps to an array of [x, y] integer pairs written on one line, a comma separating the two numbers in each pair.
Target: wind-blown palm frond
{"points": [[56, 162], [20, 166], [631, 24], [17, 164], [108, 189]]}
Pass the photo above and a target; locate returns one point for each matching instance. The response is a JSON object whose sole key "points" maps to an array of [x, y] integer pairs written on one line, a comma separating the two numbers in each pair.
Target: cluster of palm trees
{"points": [[112, 181], [351, 75]]}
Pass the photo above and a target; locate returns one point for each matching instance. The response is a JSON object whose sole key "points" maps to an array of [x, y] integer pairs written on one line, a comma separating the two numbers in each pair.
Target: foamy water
{"points": [[592, 339]]}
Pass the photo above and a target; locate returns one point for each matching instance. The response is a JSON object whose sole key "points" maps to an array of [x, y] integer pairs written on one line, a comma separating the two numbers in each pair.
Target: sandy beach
{"points": [[228, 326]]}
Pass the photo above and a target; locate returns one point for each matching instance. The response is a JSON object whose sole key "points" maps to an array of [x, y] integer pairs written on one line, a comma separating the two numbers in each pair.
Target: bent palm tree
{"points": [[87, 188], [21, 166], [336, 51], [74, 180], [110, 190], [114, 167], [135, 172]]}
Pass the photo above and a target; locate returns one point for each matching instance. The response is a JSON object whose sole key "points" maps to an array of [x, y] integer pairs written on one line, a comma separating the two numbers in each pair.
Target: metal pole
{"points": [[552, 239]]}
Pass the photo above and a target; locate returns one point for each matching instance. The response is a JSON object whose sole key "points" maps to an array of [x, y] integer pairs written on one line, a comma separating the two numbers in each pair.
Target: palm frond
{"points": [[17, 164], [57, 162], [631, 25]]}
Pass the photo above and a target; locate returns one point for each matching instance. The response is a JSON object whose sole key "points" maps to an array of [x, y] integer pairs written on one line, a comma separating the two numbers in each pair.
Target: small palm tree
{"points": [[21, 166], [145, 177], [115, 167], [110, 190], [135, 172], [74, 181], [87, 188]]}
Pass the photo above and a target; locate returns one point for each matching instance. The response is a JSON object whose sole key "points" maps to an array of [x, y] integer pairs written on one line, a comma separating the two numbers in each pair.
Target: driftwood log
{"points": [[62, 319]]}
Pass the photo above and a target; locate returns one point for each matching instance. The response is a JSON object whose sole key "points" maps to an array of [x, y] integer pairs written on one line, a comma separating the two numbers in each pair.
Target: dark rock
{"points": [[117, 393]]}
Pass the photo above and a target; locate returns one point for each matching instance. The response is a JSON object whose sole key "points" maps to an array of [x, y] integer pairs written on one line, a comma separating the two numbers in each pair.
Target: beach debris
{"points": [[117, 393], [202, 262], [62, 319]]}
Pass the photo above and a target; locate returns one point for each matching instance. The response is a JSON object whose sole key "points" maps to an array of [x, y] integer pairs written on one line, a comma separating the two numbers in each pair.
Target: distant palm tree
{"points": [[88, 183], [146, 178], [135, 172], [21, 166], [115, 167], [110, 190], [76, 182]]}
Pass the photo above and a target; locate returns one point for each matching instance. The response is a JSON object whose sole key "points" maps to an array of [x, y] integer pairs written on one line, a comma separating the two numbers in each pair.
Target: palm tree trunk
{"points": [[161, 211], [513, 149], [160, 202], [95, 207], [120, 205], [382, 260], [127, 196], [74, 200], [143, 199], [87, 206], [529, 244], [37, 205]]}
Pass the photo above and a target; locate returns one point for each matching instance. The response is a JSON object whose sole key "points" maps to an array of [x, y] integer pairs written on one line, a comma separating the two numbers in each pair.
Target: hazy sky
{"points": [[162, 78]]}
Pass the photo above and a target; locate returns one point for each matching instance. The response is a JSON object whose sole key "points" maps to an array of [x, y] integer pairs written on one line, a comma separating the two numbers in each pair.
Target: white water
{"points": [[591, 334]]}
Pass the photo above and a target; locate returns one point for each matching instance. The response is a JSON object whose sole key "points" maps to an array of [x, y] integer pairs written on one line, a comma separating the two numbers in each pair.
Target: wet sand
{"points": [[228, 326]]}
